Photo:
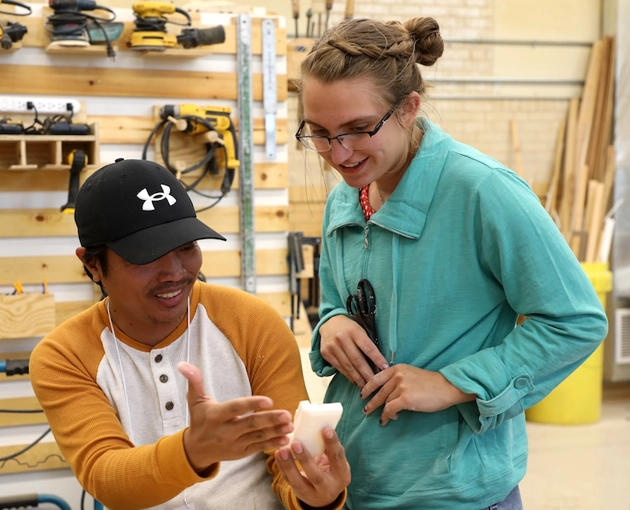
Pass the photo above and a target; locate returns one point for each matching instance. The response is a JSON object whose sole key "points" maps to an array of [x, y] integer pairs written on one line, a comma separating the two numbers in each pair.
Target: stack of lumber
{"points": [[581, 184]]}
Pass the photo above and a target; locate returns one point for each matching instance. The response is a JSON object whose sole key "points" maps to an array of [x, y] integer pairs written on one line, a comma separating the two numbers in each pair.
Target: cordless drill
{"points": [[209, 118]]}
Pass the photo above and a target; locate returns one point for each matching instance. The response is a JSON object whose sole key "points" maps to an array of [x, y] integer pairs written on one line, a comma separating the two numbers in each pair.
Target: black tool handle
{"points": [[16, 367], [22, 501]]}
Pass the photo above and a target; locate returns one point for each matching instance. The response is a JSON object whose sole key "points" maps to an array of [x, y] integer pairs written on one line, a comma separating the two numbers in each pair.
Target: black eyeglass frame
{"points": [[339, 138]]}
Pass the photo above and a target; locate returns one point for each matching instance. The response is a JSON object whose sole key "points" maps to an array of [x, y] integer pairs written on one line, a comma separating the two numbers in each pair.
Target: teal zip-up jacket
{"points": [[459, 249]]}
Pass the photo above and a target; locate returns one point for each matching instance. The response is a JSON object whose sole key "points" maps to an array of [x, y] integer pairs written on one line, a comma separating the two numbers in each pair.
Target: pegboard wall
{"points": [[118, 98]]}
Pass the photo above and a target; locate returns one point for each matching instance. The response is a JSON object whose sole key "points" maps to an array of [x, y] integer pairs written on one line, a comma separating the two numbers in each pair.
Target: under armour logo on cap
{"points": [[111, 210], [156, 197]]}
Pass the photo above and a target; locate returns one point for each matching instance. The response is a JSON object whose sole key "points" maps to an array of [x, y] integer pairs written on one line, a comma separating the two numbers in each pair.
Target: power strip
{"points": [[19, 104]]}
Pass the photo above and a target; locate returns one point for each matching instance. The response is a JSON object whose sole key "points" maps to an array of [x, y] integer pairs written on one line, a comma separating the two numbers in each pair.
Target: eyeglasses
{"points": [[352, 141]]}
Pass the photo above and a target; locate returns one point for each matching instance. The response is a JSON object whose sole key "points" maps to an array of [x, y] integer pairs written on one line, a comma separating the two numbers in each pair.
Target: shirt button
{"points": [[169, 406], [520, 383], [158, 358], [164, 378]]}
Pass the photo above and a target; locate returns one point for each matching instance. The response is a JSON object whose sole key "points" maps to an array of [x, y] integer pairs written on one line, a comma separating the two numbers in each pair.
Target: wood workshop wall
{"points": [[503, 85], [119, 98]]}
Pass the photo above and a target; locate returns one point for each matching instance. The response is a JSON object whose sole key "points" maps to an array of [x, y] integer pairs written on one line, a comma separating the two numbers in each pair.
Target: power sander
{"points": [[150, 33], [70, 25]]}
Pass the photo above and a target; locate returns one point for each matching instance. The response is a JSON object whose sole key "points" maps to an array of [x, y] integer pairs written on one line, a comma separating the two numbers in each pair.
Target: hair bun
{"points": [[429, 44]]}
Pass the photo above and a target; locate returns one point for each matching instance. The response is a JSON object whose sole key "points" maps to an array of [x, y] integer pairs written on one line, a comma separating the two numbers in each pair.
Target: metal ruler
{"points": [[246, 135], [270, 88]]}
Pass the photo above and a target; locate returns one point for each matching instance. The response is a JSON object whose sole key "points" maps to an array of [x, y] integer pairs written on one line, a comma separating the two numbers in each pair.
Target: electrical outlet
{"points": [[19, 104]]}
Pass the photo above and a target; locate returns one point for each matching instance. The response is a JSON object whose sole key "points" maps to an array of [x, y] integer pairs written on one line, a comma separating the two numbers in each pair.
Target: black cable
{"points": [[205, 162], [32, 129], [25, 449], [22, 411], [17, 4], [69, 22], [158, 24]]}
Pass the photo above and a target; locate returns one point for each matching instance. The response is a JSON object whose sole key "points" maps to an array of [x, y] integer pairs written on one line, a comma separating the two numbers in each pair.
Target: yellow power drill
{"points": [[193, 119]]}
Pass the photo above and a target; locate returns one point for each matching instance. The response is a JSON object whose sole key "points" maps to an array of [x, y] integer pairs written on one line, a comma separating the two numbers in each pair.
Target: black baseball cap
{"points": [[138, 209]]}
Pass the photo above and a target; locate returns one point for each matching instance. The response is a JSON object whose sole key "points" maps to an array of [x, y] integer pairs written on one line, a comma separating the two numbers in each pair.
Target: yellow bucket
{"points": [[578, 399]]}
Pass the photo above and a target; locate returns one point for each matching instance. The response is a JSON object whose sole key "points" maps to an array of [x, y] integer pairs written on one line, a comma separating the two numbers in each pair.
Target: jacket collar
{"points": [[406, 209]]}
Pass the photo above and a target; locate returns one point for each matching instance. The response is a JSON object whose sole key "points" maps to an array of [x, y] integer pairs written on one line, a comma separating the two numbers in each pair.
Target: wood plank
{"points": [[596, 221], [21, 404], [26, 315], [266, 176], [135, 129], [587, 110], [552, 192], [306, 218], [568, 185], [52, 223], [281, 301], [67, 268], [119, 82], [66, 309], [310, 194], [40, 457], [37, 37]]}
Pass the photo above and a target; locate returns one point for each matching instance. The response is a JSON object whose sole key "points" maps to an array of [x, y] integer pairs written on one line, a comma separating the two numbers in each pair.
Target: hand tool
{"points": [[78, 161], [68, 25], [14, 367], [11, 33], [296, 265], [329, 6], [191, 119], [18, 287], [193, 37], [309, 15], [349, 9], [150, 32], [362, 308], [295, 6], [10, 127]]}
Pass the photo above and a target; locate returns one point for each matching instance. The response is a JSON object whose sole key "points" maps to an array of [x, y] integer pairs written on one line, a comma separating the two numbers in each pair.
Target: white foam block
{"points": [[309, 421]]}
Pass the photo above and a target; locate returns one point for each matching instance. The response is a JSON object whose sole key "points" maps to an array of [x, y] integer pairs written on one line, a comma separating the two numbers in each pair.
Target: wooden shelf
{"points": [[46, 152], [93, 49]]}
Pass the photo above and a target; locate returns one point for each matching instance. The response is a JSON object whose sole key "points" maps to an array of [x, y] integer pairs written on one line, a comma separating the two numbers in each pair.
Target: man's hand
{"points": [[405, 387], [230, 430], [322, 478], [344, 344]]}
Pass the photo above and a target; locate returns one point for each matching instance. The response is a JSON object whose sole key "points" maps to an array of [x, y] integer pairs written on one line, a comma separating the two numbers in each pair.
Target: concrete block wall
{"points": [[480, 84]]}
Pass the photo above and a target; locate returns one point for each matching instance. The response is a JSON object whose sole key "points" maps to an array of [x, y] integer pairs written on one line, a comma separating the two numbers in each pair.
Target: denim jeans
{"points": [[512, 502]]}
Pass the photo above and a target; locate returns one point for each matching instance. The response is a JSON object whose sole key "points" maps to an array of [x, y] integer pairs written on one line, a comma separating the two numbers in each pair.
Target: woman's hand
{"points": [[407, 387], [322, 479], [345, 345]]}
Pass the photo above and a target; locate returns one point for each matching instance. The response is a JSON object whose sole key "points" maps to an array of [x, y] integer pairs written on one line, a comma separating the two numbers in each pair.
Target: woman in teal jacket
{"points": [[455, 247]]}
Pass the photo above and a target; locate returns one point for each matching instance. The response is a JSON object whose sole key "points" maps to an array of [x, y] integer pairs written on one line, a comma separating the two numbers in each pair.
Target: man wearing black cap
{"points": [[135, 432]]}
